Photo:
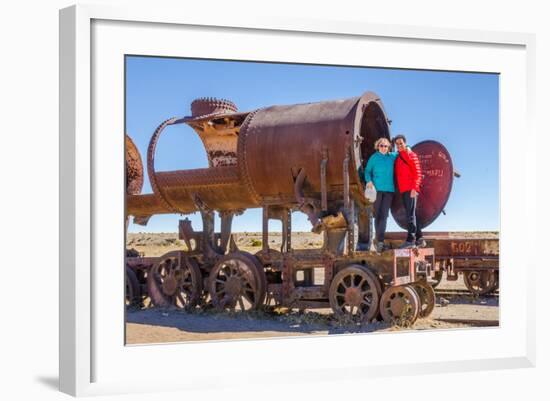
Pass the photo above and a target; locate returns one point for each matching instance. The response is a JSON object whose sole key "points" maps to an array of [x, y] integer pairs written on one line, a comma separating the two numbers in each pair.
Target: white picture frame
{"points": [[94, 361]]}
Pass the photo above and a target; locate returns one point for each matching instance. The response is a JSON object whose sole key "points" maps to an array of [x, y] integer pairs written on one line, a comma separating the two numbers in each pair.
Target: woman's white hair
{"points": [[380, 140]]}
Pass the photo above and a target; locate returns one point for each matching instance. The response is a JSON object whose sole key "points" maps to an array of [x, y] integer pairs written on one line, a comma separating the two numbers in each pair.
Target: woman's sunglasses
{"points": [[383, 146]]}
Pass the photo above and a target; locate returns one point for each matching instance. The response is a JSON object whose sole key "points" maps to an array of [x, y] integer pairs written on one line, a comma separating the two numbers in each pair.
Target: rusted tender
{"points": [[475, 255]]}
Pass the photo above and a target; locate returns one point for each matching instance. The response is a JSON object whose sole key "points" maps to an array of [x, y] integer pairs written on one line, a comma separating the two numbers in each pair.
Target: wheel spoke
{"points": [[366, 293], [366, 302], [363, 281], [180, 298], [226, 271], [248, 286], [224, 300], [245, 295], [185, 285], [240, 274], [233, 304]]}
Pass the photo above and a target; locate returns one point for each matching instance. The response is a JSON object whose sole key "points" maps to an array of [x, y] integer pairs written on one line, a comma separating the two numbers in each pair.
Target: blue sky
{"points": [[460, 110]]}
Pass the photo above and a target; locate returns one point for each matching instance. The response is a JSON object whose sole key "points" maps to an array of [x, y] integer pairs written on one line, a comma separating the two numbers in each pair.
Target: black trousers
{"points": [[381, 209], [413, 229]]}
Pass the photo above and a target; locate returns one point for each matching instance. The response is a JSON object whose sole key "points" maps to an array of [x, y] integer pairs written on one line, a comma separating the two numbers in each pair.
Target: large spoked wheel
{"points": [[237, 282], [175, 281], [355, 292], [426, 295], [400, 305], [480, 282], [133, 293], [379, 289]]}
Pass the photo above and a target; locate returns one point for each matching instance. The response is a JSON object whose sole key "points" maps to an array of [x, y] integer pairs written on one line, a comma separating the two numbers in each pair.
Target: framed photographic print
{"points": [[248, 191]]}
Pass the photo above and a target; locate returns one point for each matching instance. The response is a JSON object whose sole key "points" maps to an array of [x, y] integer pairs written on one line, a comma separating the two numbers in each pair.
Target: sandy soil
{"points": [[162, 326], [156, 244]]}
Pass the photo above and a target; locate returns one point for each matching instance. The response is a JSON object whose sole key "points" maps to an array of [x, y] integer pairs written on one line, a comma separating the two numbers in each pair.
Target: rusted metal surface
{"points": [[175, 280], [354, 292], [400, 305], [217, 123], [237, 282], [297, 137], [408, 263], [481, 282], [426, 295], [464, 248], [437, 180], [272, 145], [214, 176], [483, 248], [474, 255], [134, 167], [208, 106], [304, 157], [133, 290]]}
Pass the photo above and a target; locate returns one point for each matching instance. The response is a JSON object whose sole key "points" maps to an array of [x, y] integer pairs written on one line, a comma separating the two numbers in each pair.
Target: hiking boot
{"points": [[406, 245], [380, 247], [421, 243]]}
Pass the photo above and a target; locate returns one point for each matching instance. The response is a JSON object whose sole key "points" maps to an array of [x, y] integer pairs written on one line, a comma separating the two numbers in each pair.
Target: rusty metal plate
{"points": [[467, 247], [134, 168], [437, 181]]}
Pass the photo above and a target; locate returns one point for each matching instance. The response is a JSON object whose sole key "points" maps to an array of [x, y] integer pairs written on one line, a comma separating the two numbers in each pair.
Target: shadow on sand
{"points": [[218, 322]]}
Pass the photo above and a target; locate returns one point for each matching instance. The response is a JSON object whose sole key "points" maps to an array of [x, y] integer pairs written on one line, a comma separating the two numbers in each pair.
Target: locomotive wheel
{"points": [[133, 293], [426, 295], [480, 282], [400, 305], [237, 282], [355, 292], [262, 278], [379, 289], [175, 280]]}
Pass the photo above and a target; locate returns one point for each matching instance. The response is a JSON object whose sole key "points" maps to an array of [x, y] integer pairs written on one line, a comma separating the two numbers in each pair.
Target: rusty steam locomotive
{"points": [[304, 157]]}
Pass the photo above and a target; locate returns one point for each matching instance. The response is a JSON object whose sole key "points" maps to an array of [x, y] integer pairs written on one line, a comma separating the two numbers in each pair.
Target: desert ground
{"points": [[153, 325]]}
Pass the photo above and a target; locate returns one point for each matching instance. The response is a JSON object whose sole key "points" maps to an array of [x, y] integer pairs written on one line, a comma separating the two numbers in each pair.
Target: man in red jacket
{"points": [[408, 176]]}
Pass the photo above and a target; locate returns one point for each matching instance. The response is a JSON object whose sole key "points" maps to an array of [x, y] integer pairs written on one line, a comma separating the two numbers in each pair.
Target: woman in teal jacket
{"points": [[379, 174]]}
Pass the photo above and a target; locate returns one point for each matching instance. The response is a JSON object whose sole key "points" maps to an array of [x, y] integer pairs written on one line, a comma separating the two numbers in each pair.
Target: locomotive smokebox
{"points": [[304, 156]]}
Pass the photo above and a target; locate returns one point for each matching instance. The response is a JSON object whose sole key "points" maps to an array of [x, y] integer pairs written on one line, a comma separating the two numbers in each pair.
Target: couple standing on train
{"points": [[384, 171]]}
